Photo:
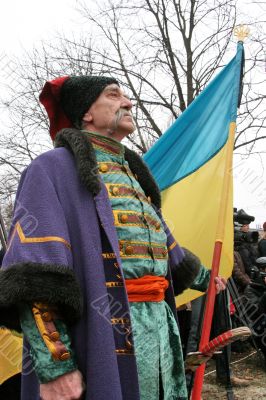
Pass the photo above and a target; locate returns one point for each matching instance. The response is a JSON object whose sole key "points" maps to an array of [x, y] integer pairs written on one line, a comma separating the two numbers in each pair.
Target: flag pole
{"points": [[241, 32]]}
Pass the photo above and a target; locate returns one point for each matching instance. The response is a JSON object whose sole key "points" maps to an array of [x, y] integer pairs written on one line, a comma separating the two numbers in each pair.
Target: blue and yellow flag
{"points": [[191, 163]]}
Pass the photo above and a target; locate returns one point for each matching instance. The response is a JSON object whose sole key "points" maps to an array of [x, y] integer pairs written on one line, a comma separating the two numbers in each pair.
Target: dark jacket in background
{"points": [[249, 253], [262, 248], [240, 276]]}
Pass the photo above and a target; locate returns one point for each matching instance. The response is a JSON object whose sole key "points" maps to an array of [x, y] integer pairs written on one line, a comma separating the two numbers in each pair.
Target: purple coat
{"points": [[62, 223]]}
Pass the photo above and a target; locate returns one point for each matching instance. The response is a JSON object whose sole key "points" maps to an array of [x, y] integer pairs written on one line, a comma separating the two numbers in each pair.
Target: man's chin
{"points": [[126, 129]]}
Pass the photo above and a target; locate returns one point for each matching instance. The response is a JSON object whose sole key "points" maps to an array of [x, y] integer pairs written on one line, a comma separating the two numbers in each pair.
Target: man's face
{"points": [[244, 228], [110, 114]]}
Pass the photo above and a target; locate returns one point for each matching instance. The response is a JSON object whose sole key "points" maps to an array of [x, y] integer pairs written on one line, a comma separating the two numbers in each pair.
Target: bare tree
{"points": [[166, 52], [251, 127], [25, 135]]}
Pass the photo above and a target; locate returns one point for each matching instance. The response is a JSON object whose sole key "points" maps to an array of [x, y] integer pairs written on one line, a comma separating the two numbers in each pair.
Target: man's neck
{"points": [[118, 136]]}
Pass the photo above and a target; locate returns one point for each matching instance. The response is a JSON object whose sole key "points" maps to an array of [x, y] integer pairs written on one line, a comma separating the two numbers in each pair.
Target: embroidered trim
{"points": [[172, 246], [120, 321], [125, 191], [114, 284], [57, 348], [109, 255], [137, 219], [124, 352], [135, 249], [114, 168], [42, 239], [106, 145]]}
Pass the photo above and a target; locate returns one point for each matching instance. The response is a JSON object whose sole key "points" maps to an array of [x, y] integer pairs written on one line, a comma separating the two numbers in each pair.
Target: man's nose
{"points": [[126, 103]]}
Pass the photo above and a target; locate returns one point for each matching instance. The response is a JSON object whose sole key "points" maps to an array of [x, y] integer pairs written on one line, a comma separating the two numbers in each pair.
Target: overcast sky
{"points": [[23, 24]]}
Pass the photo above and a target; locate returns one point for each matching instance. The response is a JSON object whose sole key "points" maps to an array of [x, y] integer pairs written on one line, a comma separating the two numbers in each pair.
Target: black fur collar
{"points": [[82, 149]]}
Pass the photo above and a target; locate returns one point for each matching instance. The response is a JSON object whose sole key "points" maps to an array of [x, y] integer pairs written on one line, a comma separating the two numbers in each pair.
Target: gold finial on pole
{"points": [[241, 32]]}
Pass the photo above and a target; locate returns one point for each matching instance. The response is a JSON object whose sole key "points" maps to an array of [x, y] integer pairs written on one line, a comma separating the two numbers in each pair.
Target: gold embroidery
{"points": [[124, 352], [41, 239], [114, 284], [108, 255], [140, 243], [133, 192], [120, 320], [142, 250], [102, 148], [144, 257], [115, 168], [172, 246], [42, 329], [121, 218]]}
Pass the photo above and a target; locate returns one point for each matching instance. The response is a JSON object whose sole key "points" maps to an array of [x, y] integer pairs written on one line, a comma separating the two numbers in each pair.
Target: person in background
{"points": [[241, 278], [247, 247], [220, 324], [255, 304], [244, 228], [262, 243]]}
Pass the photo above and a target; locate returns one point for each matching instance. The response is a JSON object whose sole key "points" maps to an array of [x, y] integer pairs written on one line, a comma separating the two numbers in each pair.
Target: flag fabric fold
{"points": [[190, 163]]}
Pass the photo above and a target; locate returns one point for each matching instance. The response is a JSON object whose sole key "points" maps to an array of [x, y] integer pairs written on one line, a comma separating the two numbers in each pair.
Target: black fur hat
{"points": [[79, 92]]}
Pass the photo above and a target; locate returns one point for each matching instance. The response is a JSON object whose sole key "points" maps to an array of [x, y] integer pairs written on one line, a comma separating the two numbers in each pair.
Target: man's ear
{"points": [[87, 117]]}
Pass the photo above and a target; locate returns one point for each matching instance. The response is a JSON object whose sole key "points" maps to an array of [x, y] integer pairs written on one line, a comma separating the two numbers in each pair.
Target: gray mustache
{"points": [[120, 114]]}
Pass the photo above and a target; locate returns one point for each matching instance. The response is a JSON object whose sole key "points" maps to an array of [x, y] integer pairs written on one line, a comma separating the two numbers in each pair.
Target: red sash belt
{"points": [[146, 288]]}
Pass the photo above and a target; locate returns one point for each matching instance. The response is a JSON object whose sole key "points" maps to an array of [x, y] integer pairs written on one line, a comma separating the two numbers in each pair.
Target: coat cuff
{"points": [[47, 367], [29, 282], [202, 280], [185, 272]]}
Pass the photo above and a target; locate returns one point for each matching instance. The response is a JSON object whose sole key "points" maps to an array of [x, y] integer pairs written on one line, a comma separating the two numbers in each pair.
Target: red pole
{"points": [[208, 314]]}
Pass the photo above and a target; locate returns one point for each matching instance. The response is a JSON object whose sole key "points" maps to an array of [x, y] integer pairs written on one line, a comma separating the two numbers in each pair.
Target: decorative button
{"points": [[124, 218], [54, 336], [149, 199], [136, 176], [104, 168], [129, 250], [158, 226], [115, 190], [46, 316], [65, 356]]}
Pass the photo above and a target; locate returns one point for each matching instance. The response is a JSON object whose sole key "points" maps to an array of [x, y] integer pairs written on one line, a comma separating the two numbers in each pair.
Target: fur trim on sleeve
{"points": [[32, 282], [185, 272]]}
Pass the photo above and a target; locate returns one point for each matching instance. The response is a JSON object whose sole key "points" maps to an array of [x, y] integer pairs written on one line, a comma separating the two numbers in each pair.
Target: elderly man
{"points": [[91, 268]]}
